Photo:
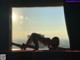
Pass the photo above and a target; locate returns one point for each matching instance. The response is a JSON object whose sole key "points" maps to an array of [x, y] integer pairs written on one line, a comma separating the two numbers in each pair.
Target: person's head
{"points": [[55, 42]]}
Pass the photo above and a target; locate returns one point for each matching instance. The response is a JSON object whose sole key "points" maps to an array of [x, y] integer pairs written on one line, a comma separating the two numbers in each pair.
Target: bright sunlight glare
{"points": [[13, 17]]}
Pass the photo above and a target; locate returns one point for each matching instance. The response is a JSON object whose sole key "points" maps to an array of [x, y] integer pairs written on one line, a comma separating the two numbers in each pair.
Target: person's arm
{"points": [[18, 45], [48, 41], [50, 48]]}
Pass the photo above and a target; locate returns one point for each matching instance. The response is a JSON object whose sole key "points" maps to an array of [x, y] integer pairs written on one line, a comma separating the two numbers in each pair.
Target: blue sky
{"points": [[49, 21]]}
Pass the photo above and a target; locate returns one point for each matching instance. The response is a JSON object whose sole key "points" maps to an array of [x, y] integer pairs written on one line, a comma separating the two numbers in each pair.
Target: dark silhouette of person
{"points": [[22, 47], [53, 44], [35, 38]]}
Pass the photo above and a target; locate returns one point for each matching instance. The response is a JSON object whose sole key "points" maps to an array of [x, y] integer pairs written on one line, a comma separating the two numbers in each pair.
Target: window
{"points": [[48, 21]]}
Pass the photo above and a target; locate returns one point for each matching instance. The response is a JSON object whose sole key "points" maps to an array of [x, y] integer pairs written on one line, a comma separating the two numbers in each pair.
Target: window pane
{"points": [[48, 21]]}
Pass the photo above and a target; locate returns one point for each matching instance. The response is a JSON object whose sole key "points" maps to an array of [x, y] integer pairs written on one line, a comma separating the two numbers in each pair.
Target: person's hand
{"points": [[23, 46]]}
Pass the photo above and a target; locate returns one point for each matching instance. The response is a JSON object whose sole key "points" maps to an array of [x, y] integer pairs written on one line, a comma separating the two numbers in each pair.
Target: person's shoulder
{"points": [[47, 38]]}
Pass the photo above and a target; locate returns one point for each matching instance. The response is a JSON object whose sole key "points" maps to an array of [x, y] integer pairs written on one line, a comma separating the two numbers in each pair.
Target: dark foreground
{"points": [[42, 55]]}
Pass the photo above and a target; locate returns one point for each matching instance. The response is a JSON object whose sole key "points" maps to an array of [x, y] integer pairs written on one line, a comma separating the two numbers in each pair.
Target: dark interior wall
{"points": [[4, 26], [72, 16], [34, 3]]}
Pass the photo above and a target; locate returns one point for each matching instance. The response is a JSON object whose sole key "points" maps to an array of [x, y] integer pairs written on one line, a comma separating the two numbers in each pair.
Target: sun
{"points": [[14, 17]]}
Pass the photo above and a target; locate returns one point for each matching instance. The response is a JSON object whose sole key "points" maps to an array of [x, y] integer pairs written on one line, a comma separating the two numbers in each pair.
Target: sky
{"points": [[48, 21]]}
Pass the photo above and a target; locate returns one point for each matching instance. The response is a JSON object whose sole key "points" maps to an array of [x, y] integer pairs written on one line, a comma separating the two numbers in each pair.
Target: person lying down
{"points": [[52, 44]]}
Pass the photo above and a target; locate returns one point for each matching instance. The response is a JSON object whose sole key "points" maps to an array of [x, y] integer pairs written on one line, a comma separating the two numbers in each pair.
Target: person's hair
{"points": [[55, 42]]}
